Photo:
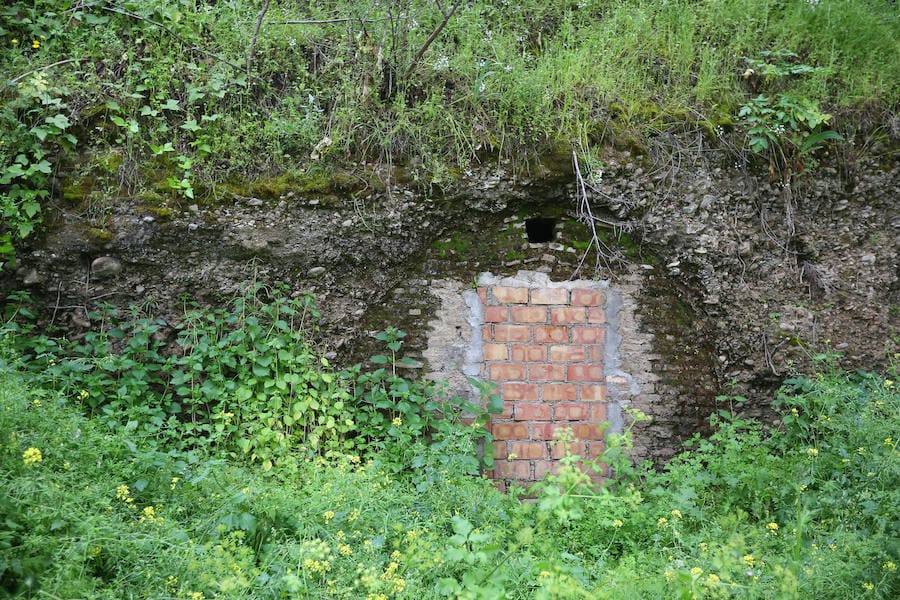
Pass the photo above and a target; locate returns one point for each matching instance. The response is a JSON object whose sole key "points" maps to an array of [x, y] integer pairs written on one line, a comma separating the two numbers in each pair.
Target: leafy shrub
{"points": [[245, 382]]}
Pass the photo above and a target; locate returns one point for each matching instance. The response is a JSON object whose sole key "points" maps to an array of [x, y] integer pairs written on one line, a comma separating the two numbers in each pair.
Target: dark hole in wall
{"points": [[540, 229]]}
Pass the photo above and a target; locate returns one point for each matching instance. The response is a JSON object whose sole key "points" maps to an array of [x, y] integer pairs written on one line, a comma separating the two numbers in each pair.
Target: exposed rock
{"points": [[105, 266], [739, 287]]}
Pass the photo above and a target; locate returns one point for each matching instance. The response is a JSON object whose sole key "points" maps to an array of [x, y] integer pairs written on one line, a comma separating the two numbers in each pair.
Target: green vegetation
{"points": [[242, 465], [188, 95]]}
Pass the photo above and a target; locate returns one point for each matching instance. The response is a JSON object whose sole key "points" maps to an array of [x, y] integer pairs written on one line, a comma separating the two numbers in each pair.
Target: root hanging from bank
{"points": [[605, 256]]}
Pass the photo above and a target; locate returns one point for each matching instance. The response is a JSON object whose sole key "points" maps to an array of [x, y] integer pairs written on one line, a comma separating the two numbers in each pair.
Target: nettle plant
{"points": [[245, 382], [786, 127], [33, 126]]}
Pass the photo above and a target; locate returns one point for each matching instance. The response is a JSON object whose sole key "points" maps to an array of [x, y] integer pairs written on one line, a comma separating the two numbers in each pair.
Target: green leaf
{"points": [[43, 166], [191, 125], [31, 208], [815, 139], [40, 133], [379, 359], [60, 121], [170, 104]]}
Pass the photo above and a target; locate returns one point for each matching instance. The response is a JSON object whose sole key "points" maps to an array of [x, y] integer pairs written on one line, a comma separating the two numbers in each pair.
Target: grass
{"points": [[507, 77], [807, 510]]}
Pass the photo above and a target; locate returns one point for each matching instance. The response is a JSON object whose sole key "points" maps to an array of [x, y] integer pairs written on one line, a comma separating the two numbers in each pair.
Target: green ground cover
{"points": [[115, 489]]}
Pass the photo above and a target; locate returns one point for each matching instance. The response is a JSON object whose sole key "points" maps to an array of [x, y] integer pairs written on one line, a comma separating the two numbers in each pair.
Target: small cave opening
{"points": [[540, 229]]}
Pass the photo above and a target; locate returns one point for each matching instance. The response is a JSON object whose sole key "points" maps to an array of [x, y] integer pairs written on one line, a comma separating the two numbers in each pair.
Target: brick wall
{"points": [[544, 347]]}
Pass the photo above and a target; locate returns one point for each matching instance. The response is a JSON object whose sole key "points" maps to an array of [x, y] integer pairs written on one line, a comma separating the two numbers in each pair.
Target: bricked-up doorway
{"points": [[544, 345]]}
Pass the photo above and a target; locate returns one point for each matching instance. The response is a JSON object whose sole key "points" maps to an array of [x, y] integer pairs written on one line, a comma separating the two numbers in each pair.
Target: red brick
{"points": [[596, 315], [499, 450], [495, 352], [482, 295], [516, 469], [567, 354], [510, 431], [587, 335], [507, 411], [511, 295], [528, 314], [528, 353], [593, 393], [531, 412], [551, 333], [585, 373], [496, 314], [550, 296], [512, 333], [559, 450], [586, 431], [528, 450], [487, 332], [553, 392], [545, 372], [571, 412], [507, 372], [587, 298], [596, 450], [561, 315], [596, 354], [543, 467], [519, 391], [544, 431], [598, 413]]}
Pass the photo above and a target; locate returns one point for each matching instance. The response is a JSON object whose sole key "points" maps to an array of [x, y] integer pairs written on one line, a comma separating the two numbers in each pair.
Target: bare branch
{"points": [[45, 67], [259, 20], [437, 31], [325, 21]]}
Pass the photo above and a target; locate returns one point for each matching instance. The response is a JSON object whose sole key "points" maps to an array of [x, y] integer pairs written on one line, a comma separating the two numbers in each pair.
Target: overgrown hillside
{"points": [[176, 99]]}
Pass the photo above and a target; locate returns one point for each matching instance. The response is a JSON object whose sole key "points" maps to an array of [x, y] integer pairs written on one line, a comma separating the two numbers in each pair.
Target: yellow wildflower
{"points": [[345, 549], [676, 513], [712, 579], [329, 515], [124, 494], [35, 44], [14, 42], [889, 566], [888, 383], [617, 523], [749, 560], [888, 441], [397, 421], [696, 571], [812, 452], [670, 576], [662, 522], [32, 456], [868, 586]]}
